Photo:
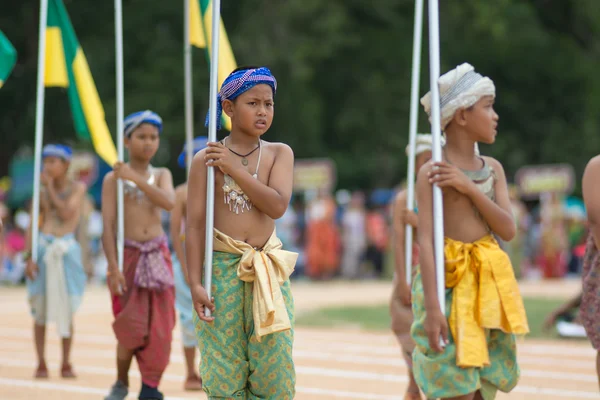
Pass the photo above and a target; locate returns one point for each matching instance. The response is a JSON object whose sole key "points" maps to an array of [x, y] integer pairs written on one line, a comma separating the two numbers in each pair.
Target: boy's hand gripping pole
{"points": [[212, 137], [436, 134]]}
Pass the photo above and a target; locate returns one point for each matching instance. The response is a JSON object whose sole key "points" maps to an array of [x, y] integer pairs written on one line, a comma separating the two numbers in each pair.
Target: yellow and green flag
{"points": [[201, 35], [67, 67], [8, 58]]}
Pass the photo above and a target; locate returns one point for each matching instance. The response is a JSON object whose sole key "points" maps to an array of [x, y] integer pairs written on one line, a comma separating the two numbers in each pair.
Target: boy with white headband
{"points": [[400, 305], [484, 309]]}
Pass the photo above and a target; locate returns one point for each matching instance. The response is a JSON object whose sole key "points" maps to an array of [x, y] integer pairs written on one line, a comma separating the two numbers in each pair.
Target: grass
{"points": [[376, 318]]}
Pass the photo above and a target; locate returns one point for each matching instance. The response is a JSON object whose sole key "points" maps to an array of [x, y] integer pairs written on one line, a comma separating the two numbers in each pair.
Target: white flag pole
{"points": [[212, 137], [188, 90], [412, 129], [39, 129], [436, 134], [120, 117]]}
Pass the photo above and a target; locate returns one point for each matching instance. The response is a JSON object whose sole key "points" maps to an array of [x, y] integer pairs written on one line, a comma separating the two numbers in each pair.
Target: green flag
{"points": [[67, 67], [8, 58]]}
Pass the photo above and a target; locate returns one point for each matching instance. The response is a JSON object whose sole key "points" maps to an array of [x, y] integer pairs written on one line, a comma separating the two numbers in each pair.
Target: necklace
{"points": [[131, 190], [243, 156], [234, 196]]}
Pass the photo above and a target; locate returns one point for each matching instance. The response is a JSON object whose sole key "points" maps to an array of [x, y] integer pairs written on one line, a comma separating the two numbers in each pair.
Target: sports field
{"points": [[340, 362]]}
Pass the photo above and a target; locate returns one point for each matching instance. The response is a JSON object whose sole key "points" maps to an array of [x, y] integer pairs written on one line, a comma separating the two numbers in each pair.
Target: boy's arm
{"points": [[399, 236], [175, 228], [272, 199], [425, 235], [161, 195], [591, 197], [498, 214], [195, 225], [109, 221], [68, 207]]}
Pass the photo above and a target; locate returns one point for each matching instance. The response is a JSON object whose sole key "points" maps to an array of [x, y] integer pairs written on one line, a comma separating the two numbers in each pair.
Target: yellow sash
{"points": [[486, 296], [268, 268]]}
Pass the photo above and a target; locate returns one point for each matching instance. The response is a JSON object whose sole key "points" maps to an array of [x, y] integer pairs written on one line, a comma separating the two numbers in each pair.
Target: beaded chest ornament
{"points": [[233, 194]]}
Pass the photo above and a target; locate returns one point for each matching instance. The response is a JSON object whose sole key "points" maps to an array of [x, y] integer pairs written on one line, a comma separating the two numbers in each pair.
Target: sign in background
{"points": [[314, 174], [533, 180]]}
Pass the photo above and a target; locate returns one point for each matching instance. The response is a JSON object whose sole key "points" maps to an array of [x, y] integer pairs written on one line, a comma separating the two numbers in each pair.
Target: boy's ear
{"points": [[460, 117], [228, 107]]}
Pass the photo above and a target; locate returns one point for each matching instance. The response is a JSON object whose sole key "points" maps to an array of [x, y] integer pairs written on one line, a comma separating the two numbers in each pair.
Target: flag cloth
{"points": [[67, 67], [8, 58], [201, 36]]}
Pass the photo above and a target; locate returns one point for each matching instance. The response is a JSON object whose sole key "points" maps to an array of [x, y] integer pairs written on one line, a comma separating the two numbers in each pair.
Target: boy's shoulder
{"points": [[493, 163], [594, 163], [400, 198], [279, 147], [109, 177], [425, 169], [160, 171]]}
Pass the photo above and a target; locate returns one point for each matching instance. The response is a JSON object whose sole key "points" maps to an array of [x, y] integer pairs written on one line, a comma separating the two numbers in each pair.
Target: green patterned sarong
{"points": [[437, 374], [234, 364]]}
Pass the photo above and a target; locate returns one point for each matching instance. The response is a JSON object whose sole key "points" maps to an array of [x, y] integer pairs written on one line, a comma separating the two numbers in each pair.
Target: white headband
{"points": [[459, 88]]}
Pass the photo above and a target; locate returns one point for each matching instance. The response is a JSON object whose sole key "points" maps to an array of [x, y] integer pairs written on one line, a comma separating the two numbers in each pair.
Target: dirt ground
{"points": [[330, 364]]}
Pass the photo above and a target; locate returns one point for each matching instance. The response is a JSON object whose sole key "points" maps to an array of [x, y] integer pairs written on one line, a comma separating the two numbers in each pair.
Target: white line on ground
{"points": [[67, 388], [347, 374], [302, 340], [333, 373], [87, 390]]}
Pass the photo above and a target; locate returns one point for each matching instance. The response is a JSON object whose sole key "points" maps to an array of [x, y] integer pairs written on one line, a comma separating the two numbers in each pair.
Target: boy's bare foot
{"points": [[67, 371], [193, 383], [41, 372]]}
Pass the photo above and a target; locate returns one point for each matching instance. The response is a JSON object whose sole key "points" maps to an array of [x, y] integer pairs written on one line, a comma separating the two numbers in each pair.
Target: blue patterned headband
{"points": [[57, 150], [239, 82], [134, 120]]}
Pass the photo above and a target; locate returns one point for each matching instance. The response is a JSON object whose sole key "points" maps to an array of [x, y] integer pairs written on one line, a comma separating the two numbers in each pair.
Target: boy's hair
{"points": [[460, 88]]}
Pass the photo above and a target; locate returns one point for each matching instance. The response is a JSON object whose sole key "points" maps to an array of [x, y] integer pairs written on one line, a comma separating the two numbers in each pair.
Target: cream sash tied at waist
{"points": [[268, 268]]}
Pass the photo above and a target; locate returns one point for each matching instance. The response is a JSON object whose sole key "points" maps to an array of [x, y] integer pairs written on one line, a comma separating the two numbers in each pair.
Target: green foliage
{"points": [[344, 70]]}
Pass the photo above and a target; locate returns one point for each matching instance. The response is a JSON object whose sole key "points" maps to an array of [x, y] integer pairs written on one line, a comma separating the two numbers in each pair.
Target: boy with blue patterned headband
{"points": [[143, 294], [56, 283], [182, 288], [246, 345]]}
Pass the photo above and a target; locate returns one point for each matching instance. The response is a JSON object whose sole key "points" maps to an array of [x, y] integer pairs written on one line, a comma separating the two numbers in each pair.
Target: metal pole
{"points": [[39, 129], [188, 90], [436, 134], [120, 117], [212, 137], [412, 129]]}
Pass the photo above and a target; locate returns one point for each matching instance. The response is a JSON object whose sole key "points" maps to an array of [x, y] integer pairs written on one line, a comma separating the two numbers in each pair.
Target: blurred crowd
{"points": [[349, 235]]}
